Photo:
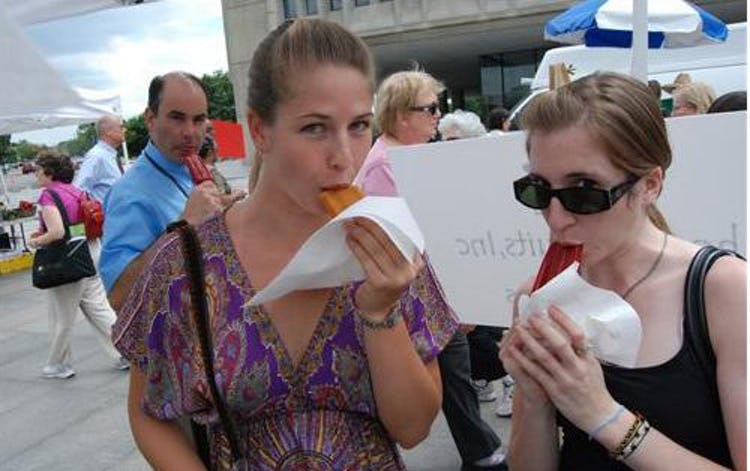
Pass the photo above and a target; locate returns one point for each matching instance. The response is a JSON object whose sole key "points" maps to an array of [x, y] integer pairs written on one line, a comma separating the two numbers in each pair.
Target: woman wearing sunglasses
{"points": [[407, 112], [598, 155]]}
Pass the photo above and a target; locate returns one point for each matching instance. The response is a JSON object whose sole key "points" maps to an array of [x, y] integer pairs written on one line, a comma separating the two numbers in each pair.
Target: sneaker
{"points": [[495, 462], [505, 405], [57, 372], [484, 389], [122, 364]]}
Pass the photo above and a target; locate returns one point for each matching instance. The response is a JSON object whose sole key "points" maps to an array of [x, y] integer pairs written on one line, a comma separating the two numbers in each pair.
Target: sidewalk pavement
{"points": [[81, 423]]}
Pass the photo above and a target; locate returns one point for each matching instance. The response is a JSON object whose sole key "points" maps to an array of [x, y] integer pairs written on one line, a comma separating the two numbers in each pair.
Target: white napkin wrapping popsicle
{"points": [[324, 260], [612, 326]]}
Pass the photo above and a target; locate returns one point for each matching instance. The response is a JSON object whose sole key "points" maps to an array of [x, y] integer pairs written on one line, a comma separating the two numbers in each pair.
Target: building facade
{"points": [[481, 49]]}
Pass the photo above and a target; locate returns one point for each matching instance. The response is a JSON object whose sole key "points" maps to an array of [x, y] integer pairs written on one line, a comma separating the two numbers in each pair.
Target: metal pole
{"points": [[639, 47]]}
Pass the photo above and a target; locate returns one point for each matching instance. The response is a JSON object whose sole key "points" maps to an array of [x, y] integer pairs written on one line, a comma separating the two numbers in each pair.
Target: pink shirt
{"points": [[376, 177], [69, 195]]}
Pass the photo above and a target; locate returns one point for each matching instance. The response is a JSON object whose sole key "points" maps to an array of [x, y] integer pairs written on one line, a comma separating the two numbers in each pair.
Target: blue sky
{"points": [[120, 50]]}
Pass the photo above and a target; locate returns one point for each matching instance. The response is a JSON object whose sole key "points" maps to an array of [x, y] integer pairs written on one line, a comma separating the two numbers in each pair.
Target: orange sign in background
{"points": [[229, 140]]}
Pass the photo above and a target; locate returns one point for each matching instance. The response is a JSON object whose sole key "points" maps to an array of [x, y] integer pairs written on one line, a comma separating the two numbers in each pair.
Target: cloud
{"points": [[121, 50]]}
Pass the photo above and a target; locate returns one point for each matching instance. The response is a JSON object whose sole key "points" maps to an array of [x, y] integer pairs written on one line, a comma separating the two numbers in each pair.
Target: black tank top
{"points": [[677, 399]]}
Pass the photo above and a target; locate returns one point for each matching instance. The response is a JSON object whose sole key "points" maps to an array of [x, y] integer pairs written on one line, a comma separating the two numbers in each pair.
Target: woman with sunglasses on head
{"points": [[329, 378], [598, 156], [407, 112]]}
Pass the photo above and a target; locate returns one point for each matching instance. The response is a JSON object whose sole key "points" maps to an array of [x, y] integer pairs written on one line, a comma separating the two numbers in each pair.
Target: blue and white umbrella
{"points": [[626, 23]]}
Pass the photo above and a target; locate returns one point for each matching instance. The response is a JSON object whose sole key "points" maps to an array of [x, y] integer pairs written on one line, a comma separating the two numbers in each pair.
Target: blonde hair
{"points": [[699, 95], [298, 44], [620, 112], [398, 92]]}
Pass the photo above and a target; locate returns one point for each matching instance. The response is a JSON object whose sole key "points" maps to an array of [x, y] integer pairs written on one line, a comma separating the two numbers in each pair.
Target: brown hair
{"points": [[620, 112], [293, 45], [398, 92], [58, 167]]}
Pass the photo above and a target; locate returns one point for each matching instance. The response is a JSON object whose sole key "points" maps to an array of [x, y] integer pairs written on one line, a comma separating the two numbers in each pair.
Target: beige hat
{"points": [[682, 79]]}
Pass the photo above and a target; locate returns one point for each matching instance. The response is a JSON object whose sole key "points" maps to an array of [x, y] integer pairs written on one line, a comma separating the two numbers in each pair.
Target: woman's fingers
{"points": [[380, 244], [531, 368], [553, 339], [369, 262], [534, 350], [571, 329]]}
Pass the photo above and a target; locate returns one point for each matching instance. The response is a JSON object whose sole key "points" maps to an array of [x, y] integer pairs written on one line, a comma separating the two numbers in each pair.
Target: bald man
{"points": [[157, 190], [101, 167]]}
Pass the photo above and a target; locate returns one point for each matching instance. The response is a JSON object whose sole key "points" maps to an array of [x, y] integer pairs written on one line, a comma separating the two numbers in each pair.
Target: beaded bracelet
{"points": [[640, 434], [606, 421], [388, 322], [628, 436]]}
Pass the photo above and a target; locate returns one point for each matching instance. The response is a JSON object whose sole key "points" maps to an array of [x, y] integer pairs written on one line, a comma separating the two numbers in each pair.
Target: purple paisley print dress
{"points": [[318, 415]]}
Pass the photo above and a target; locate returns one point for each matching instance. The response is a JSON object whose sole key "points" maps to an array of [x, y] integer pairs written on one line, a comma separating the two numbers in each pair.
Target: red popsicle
{"points": [[198, 170], [557, 258]]}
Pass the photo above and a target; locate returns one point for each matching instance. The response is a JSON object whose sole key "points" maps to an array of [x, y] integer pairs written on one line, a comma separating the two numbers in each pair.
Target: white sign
{"points": [[483, 244]]}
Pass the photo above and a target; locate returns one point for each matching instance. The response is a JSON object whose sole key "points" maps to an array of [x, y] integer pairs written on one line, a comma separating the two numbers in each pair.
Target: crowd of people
{"points": [[339, 378]]}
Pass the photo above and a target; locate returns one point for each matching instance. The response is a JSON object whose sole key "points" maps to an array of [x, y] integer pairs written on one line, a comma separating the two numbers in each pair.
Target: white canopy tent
{"points": [[35, 96], [28, 12]]}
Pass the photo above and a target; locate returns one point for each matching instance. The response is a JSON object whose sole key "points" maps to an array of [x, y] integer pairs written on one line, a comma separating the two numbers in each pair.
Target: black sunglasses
{"points": [[432, 108], [579, 200]]}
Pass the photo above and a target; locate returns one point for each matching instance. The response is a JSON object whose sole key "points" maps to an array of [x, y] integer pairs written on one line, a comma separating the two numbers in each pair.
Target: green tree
{"points": [[136, 135], [6, 153], [220, 96], [84, 140], [24, 150]]}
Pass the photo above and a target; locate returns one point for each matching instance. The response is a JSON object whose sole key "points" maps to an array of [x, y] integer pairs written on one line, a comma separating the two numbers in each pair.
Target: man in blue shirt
{"points": [[157, 189], [101, 167]]}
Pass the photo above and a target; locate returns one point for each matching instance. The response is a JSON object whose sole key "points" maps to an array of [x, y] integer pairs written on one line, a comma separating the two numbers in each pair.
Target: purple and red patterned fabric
{"points": [[317, 415]]}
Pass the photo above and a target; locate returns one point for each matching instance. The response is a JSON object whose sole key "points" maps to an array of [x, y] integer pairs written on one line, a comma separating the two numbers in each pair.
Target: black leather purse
{"points": [[62, 261]]}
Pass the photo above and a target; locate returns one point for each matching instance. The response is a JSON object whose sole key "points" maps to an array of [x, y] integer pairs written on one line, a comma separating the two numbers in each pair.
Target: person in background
{"points": [[598, 154], [483, 340], [54, 174], [407, 112], [101, 166], [207, 153], [693, 98], [656, 88], [158, 188], [460, 125], [732, 101], [330, 378], [498, 121]]}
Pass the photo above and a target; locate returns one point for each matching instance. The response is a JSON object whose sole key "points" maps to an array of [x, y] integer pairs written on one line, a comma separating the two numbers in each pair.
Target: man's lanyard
{"points": [[165, 173]]}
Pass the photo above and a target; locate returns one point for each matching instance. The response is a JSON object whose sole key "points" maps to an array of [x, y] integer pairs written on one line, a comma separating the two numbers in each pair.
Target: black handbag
{"points": [[194, 262], [62, 261]]}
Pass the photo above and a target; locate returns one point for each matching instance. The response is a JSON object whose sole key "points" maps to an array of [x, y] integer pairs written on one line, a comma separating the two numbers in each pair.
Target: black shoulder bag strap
{"points": [[194, 259], [695, 308], [166, 174], [63, 212]]}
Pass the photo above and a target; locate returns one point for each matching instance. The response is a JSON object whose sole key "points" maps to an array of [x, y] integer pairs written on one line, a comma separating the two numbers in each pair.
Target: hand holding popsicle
{"points": [[388, 273]]}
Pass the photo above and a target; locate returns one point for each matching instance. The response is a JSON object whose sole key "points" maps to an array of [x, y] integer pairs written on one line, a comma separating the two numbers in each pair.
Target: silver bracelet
{"points": [[388, 322], [606, 421]]}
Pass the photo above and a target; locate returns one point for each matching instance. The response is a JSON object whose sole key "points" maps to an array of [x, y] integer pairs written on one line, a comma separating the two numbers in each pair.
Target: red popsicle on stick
{"points": [[557, 258], [198, 170]]}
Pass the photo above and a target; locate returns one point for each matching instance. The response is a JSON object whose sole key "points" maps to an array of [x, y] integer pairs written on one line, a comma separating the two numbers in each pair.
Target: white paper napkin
{"points": [[324, 260], [612, 327]]}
